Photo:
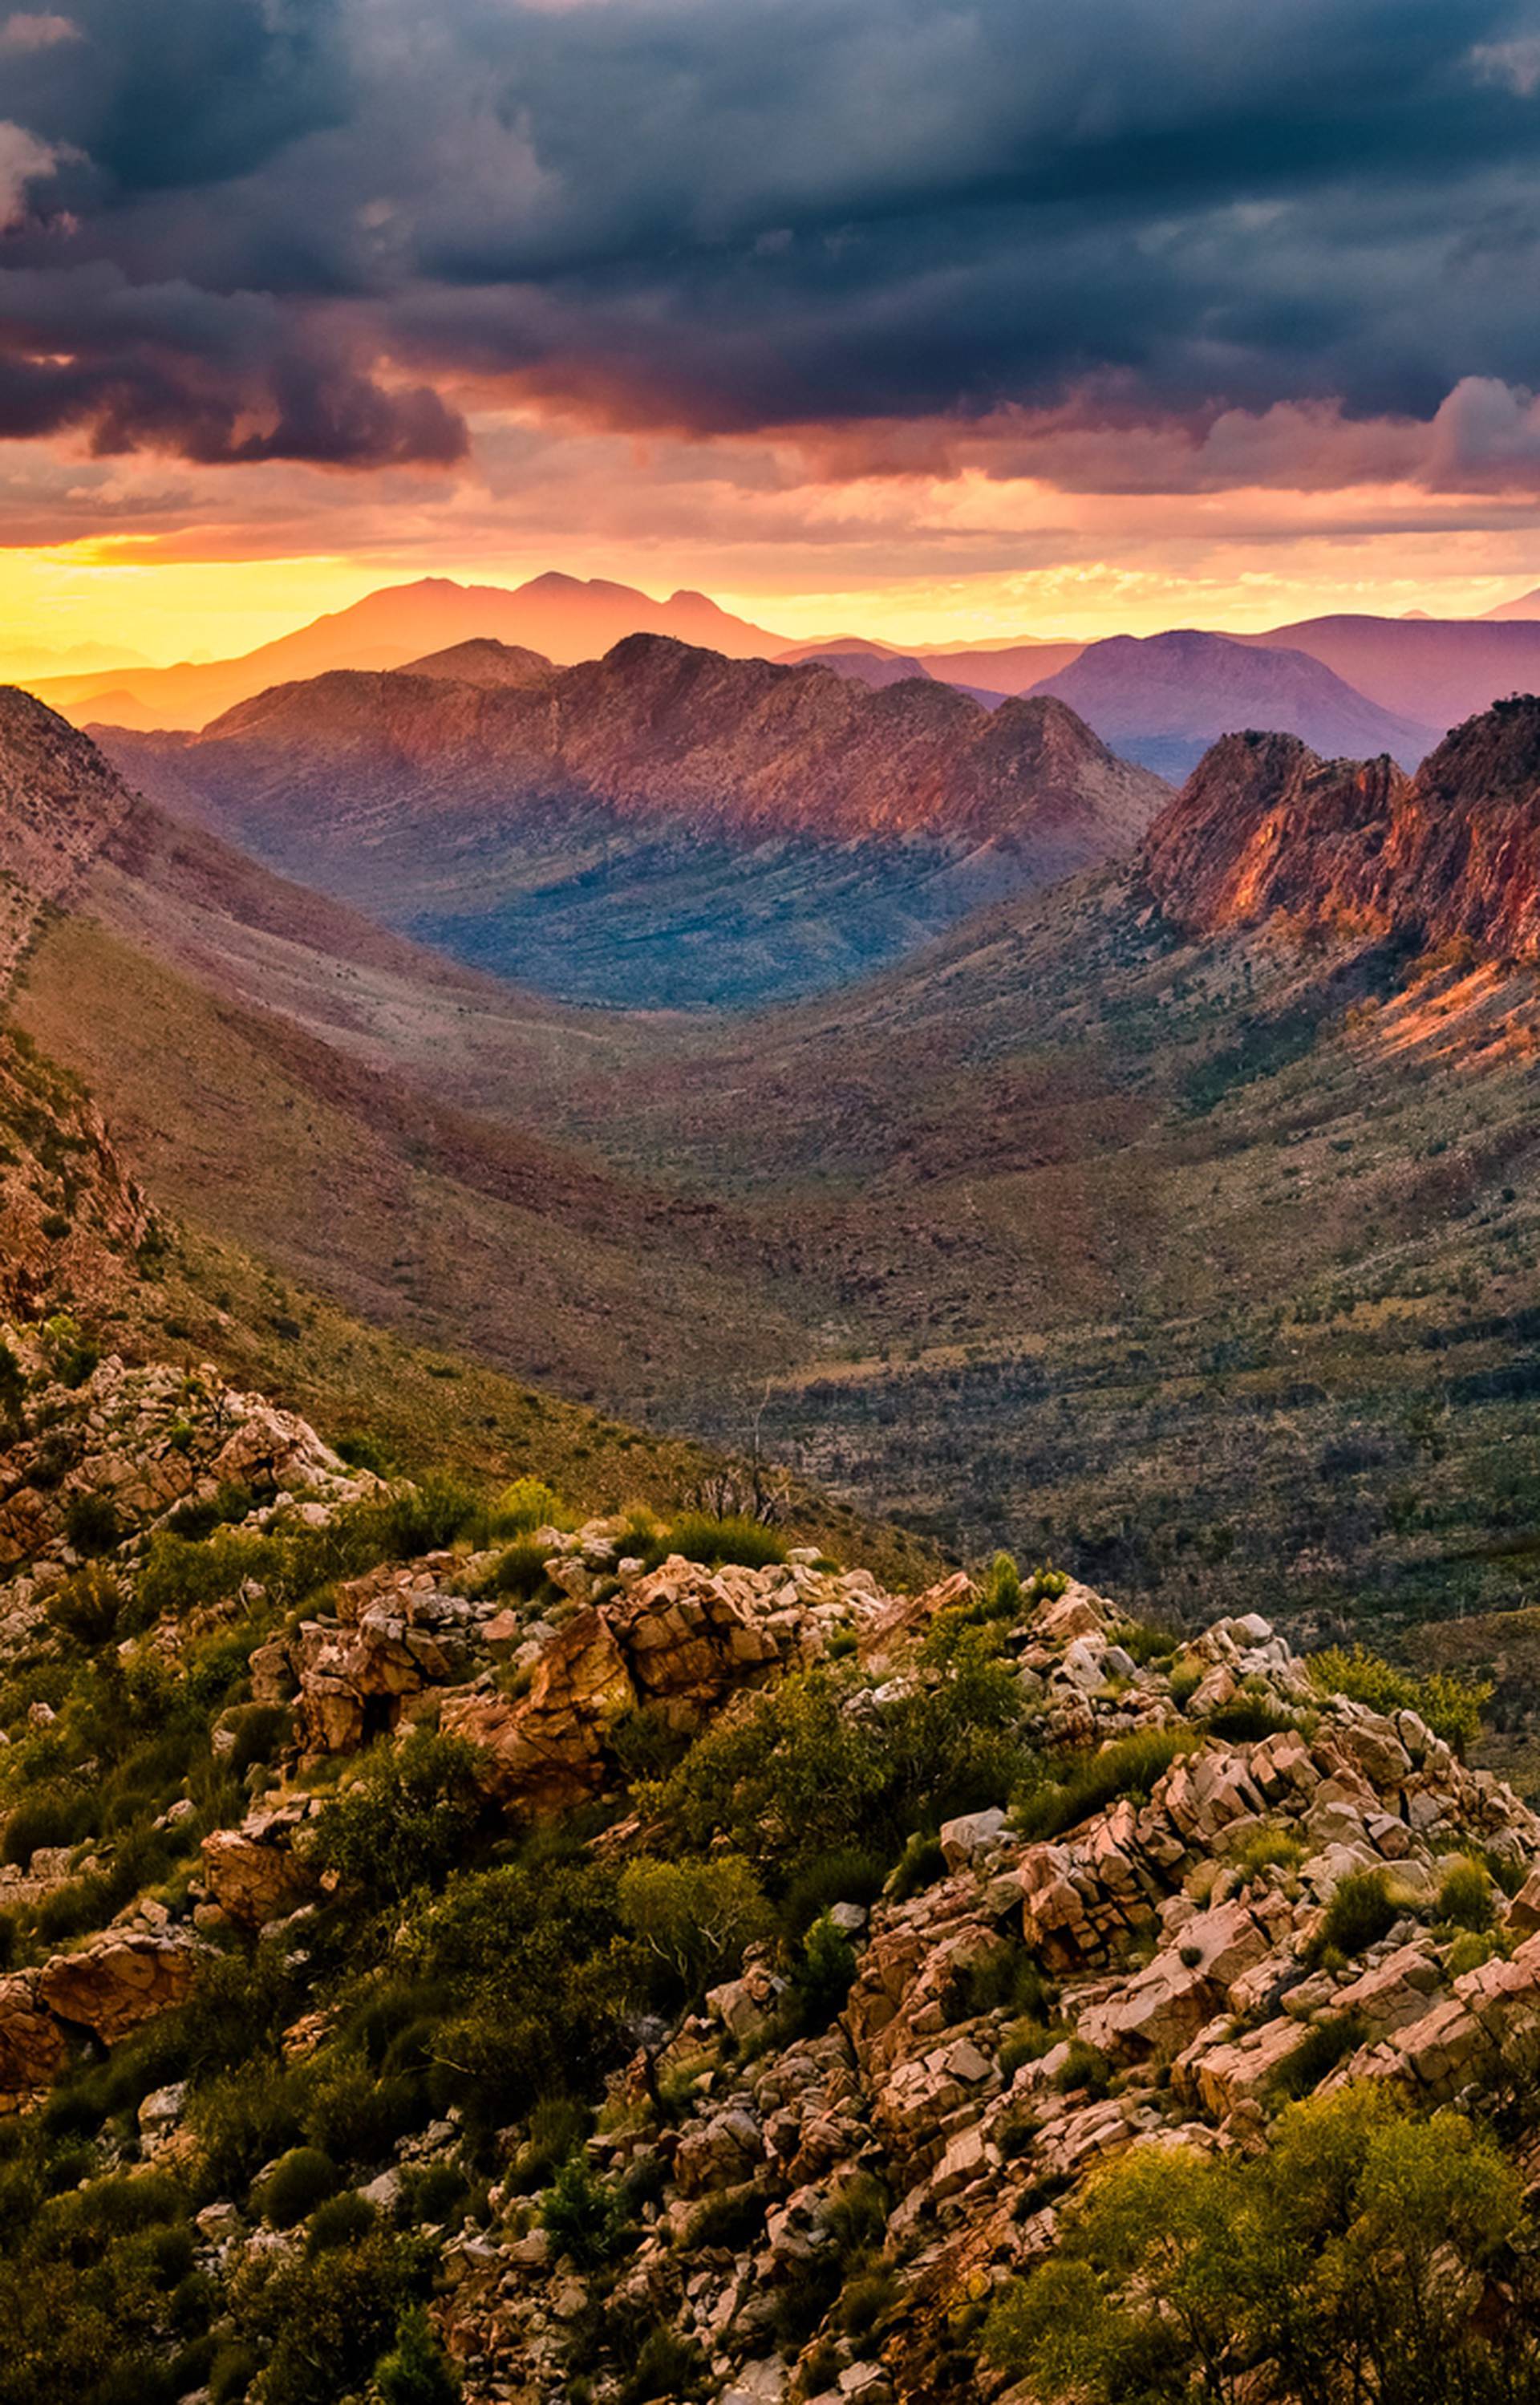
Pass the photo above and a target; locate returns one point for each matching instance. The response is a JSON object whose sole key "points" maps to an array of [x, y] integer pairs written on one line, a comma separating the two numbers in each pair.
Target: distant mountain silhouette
{"points": [[559, 616], [1435, 671], [1523, 605], [1163, 700]]}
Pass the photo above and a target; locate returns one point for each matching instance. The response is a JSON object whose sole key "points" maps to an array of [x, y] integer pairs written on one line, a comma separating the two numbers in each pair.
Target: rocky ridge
{"points": [[1265, 830]]}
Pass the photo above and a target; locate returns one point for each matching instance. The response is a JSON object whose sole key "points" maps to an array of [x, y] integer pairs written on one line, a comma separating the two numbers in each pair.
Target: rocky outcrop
{"points": [[677, 1642], [1264, 830], [142, 1445], [59, 803], [105, 1990], [1169, 1948], [255, 1874], [72, 1219]]}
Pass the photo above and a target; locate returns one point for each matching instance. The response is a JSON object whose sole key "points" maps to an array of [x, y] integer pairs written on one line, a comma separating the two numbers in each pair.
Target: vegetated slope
{"points": [[561, 617], [1435, 670], [487, 1950], [1164, 698], [662, 826], [1265, 828]]}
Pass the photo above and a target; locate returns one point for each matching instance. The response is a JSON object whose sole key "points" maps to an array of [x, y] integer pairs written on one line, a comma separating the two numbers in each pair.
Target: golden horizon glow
{"points": [[52, 601]]}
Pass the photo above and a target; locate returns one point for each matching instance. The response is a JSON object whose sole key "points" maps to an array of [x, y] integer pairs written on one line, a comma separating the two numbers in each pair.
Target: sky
{"points": [[934, 320]]}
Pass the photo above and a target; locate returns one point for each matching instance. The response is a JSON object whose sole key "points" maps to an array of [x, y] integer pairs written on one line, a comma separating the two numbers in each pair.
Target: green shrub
{"points": [[1028, 2041], [848, 1875], [1083, 2066], [856, 2218], [695, 1915], [666, 2366], [339, 2221], [700, 1537], [583, 2216], [297, 2184], [1266, 1849], [55, 1816], [920, 1865], [1451, 1706], [1046, 1585], [519, 1570], [261, 1733], [528, 1504], [405, 1818], [1128, 1765], [1360, 1912], [1002, 1594], [1187, 1679], [416, 2371], [324, 2321], [821, 1981], [1144, 1642], [1248, 1721], [1008, 1979], [1466, 1899], [92, 1523], [88, 1607], [1323, 2045]]}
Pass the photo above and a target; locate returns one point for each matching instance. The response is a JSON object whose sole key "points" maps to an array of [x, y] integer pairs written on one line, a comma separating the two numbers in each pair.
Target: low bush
{"points": [[528, 1504], [666, 2366], [1360, 1912], [405, 1818], [297, 2184], [582, 2215], [1266, 1849], [1128, 1765], [416, 2371], [1451, 1706], [92, 1525], [1465, 1898], [1323, 2045]]}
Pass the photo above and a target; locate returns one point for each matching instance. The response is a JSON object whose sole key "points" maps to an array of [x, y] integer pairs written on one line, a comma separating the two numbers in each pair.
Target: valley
{"points": [[1191, 1244]]}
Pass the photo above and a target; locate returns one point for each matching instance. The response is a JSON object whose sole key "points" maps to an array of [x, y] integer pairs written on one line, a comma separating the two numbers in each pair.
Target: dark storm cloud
{"points": [[270, 228]]}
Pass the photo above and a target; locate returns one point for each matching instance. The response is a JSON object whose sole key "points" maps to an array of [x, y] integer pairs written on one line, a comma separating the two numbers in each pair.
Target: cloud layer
{"points": [[323, 231]]}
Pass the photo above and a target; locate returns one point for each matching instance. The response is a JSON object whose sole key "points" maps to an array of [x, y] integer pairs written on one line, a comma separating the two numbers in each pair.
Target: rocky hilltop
{"points": [[1264, 828], [523, 1953]]}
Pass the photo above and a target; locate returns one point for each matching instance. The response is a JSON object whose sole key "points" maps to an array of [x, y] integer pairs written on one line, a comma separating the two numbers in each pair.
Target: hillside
{"points": [[495, 1950], [1163, 700], [561, 617], [664, 827]]}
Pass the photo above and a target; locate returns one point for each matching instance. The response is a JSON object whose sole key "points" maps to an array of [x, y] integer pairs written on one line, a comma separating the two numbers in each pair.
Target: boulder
{"points": [[118, 1981]]}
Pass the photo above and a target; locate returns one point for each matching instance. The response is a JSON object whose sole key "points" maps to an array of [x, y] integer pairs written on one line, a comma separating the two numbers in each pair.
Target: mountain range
{"points": [[664, 826]]}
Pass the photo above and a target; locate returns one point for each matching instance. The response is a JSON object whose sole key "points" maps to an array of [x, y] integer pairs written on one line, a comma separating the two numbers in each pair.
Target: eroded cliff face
{"points": [[1263, 830]]}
